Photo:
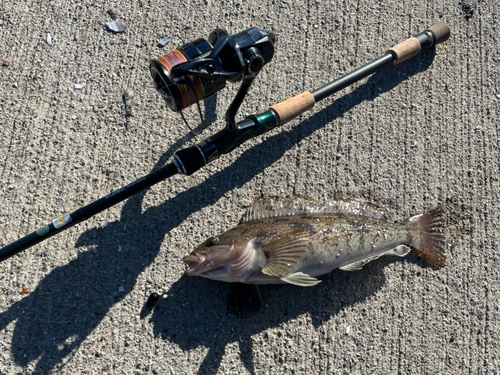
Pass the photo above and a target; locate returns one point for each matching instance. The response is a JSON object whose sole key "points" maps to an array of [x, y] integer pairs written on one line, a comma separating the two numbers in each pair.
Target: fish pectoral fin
{"points": [[399, 251], [285, 253], [300, 279]]}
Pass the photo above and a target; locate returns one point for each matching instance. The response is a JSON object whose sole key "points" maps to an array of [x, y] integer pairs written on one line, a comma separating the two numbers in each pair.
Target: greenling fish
{"points": [[294, 241]]}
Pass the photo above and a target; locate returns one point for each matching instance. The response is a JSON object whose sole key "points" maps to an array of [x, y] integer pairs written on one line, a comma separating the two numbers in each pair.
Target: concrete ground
{"points": [[421, 134]]}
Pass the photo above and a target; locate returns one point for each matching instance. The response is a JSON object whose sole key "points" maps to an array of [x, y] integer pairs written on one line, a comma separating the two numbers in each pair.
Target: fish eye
{"points": [[212, 241]]}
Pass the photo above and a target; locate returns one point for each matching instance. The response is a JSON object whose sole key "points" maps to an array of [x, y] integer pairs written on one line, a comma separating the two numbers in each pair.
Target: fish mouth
{"points": [[195, 262]]}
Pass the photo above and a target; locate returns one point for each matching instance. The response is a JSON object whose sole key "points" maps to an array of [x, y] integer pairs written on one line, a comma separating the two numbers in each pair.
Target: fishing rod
{"points": [[201, 68]]}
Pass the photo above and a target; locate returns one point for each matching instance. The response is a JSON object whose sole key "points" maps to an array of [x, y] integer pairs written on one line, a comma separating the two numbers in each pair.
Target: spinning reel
{"points": [[199, 69]]}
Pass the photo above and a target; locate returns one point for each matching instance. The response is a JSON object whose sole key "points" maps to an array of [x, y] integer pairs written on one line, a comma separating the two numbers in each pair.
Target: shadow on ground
{"points": [[195, 314], [72, 300]]}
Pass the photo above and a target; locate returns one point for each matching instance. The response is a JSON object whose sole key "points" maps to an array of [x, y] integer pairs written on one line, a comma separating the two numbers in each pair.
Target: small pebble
{"points": [[7, 62], [164, 41], [115, 26]]}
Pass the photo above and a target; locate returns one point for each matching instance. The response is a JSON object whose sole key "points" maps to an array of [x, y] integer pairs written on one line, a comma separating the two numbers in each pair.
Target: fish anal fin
{"points": [[399, 251], [300, 279]]}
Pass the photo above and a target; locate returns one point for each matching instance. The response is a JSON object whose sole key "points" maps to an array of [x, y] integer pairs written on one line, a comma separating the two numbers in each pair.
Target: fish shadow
{"points": [[72, 300], [194, 312]]}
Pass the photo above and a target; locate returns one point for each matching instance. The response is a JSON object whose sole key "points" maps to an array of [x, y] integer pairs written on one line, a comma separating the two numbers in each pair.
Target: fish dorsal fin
{"points": [[280, 207], [301, 279], [284, 253], [399, 251]]}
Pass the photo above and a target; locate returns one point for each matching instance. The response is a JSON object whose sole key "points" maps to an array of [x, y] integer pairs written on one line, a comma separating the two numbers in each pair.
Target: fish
{"points": [[293, 241]]}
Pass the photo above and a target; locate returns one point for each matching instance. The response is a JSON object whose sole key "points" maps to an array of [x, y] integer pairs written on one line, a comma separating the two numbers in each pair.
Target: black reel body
{"points": [[199, 69]]}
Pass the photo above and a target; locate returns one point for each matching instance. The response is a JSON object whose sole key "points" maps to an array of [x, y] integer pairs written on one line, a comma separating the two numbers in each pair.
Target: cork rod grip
{"points": [[438, 33], [407, 49], [293, 107]]}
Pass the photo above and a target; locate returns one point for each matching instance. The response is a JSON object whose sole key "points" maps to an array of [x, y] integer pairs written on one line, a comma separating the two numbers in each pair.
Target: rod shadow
{"points": [[72, 300]]}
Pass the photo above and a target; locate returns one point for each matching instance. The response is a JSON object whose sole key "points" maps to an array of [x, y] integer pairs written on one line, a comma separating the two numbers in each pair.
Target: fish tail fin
{"points": [[428, 237]]}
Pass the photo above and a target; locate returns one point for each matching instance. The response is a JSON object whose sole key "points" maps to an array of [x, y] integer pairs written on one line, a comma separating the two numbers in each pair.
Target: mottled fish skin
{"points": [[337, 241], [296, 246]]}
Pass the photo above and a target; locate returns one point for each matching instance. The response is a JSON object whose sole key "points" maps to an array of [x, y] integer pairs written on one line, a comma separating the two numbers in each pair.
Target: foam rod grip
{"points": [[293, 107]]}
